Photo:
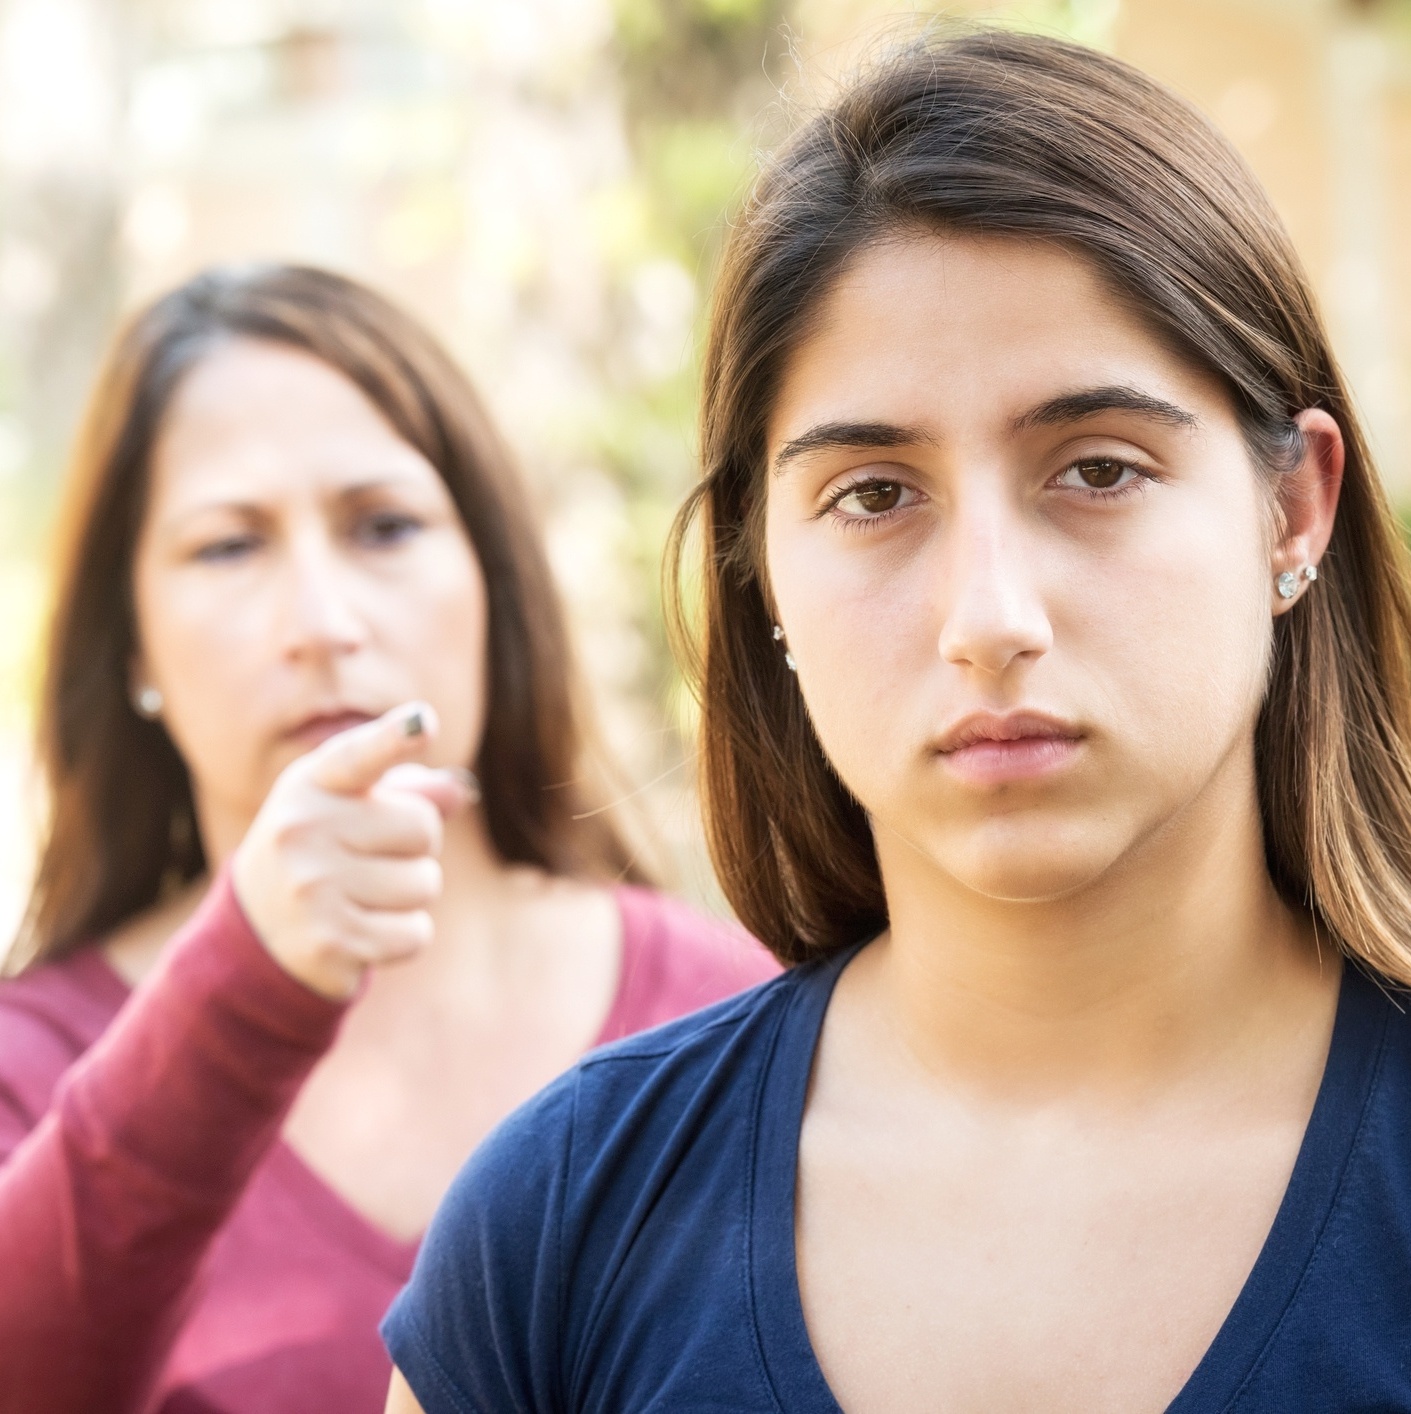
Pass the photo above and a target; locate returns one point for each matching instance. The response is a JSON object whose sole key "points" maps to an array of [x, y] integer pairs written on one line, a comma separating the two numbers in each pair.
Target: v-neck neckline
{"points": [[322, 1200], [1238, 1348]]}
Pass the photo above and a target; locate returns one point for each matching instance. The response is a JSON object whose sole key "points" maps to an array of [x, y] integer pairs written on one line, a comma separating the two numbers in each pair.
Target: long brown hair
{"points": [[122, 825], [1001, 133]]}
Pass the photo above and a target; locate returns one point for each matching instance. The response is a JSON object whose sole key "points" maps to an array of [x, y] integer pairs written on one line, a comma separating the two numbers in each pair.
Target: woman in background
{"points": [[308, 710], [1057, 725]]}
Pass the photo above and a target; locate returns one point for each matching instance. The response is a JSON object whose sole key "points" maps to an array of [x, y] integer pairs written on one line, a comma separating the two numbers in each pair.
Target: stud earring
{"points": [[149, 702], [1287, 582], [789, 663]]}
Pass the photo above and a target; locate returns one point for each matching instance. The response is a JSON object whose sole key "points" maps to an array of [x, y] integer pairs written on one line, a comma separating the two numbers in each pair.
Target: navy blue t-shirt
{"points": [[625, 1242]]}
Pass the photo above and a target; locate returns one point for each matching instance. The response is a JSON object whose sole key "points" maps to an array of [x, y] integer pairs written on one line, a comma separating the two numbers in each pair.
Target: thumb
{"points": [[354, 761]]}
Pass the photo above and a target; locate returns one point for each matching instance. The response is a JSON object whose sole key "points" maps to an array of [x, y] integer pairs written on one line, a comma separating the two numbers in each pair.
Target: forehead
{"points": [[254, 418], [958, 331]]}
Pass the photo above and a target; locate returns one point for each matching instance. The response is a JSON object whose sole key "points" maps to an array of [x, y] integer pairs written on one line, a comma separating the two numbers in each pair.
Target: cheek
{"points": [[860, 626], [437, 628], [1175, 636], [212, 654], [206, 648]]}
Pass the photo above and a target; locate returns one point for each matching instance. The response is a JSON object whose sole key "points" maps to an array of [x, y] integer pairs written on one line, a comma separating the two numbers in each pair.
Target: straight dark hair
{"points": [[1005, 134], [122, 825]]}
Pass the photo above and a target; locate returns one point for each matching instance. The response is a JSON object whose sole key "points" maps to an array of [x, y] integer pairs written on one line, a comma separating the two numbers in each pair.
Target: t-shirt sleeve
{"points": [[479, 1326]]}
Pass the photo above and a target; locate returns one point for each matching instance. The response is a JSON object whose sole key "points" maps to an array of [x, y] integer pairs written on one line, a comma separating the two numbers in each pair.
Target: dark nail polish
{"points": [[414, 725]]}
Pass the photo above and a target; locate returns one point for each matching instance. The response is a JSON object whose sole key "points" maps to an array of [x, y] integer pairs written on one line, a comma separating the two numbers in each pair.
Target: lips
{"points": [[989, 748], [997, 727], [319, 726]]}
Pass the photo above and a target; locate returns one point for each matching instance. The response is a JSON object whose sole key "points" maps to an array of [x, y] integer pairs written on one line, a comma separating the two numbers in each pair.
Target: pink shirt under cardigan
{"points": [[161, 1248]]}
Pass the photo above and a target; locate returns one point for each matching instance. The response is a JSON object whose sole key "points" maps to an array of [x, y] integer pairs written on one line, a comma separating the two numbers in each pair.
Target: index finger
{"points": [[355, 760]]}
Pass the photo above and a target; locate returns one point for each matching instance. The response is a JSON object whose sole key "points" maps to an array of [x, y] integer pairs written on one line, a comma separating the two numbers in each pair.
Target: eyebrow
{"points": [[1087, 402], [829, 436], [1066, 407], [236, 506]]}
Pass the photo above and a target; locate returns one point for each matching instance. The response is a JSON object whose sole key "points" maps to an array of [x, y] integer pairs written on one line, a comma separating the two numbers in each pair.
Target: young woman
{"points": [[301, 593], [1058, 730]]}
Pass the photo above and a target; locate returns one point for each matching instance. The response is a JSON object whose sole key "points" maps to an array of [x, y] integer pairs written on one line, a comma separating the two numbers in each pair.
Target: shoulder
{"points": [[676, 959], [1377, 1002], [49, 1017], [77, 995], [543, 1221], [615, 1096], [1359, 1118], [214, 980], [608, 1112]]}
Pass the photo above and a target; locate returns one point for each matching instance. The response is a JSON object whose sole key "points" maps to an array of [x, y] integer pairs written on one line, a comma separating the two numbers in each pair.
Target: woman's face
{"points": [[1023, 561], [300, 568]]}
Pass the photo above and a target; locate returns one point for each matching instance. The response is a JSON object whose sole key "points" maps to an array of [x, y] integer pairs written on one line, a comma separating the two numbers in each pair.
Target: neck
{"points": [[479, 886], [1178, 952]]}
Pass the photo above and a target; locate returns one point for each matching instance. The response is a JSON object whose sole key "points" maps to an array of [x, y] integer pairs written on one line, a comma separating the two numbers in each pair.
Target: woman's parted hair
{"points": [[1008, 134], [121, 826]]}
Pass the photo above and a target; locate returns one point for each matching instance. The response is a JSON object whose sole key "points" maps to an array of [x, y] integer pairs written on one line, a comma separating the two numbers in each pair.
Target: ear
{"points": [[1308, 503]]}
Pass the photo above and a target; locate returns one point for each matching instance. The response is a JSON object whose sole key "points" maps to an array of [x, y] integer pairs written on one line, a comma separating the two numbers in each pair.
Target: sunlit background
{"points": [[544, 182]]}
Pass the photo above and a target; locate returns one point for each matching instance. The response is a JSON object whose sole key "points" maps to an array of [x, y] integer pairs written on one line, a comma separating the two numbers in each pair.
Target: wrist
{"points": [[330, 972]]}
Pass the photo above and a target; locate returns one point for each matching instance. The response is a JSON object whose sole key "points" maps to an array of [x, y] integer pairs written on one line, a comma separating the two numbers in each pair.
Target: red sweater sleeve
{"points": [[108, 1205]]}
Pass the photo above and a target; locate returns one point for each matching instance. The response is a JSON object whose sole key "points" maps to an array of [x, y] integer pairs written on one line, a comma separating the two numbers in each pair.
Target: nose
{"points": [[321, 621], [996, 619]]}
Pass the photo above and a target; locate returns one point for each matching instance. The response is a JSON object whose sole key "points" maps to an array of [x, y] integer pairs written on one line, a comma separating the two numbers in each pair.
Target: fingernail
{"points": [[414, 723]]}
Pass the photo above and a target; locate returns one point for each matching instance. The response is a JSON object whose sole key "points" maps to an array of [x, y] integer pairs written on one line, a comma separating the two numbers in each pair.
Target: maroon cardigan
{"points": [[160, 1247]]}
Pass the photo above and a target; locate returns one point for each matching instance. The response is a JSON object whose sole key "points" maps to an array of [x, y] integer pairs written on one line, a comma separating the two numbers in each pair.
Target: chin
{"points": [[1037, 863], [1050, 882]]}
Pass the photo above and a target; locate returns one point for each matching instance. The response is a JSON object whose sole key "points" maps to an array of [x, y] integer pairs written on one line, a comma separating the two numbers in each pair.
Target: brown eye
{"points": [[1100, 475], [878, 497], [232, 547], [867, 501], [385, 528]]}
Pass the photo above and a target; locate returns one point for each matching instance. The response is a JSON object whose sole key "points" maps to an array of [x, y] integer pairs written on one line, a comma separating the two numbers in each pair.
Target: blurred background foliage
{"points": [[546, 183]]}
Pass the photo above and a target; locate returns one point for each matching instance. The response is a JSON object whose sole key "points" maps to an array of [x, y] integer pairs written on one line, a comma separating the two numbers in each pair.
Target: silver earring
{"points": [[789, 663], [149, 702], [1287, 582]]}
